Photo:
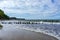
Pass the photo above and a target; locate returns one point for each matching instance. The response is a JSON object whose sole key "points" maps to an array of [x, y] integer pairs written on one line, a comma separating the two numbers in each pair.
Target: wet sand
{"points": [[25, 35]]}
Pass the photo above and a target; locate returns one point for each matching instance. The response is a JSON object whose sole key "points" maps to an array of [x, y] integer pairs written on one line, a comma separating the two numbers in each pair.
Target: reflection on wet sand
{"points": [[25, 35]]}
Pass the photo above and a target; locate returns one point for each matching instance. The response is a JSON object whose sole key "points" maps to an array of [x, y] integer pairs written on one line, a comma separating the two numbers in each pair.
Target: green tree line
{"points": [[3, 15]]}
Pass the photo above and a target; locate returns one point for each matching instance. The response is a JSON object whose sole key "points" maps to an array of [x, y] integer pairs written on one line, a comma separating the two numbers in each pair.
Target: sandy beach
{"points": [[25, 35]]}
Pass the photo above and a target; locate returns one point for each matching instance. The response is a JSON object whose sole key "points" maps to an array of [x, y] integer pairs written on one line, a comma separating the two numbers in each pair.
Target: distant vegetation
{"points": [[46, 20], [3, 15], [50, 20]]}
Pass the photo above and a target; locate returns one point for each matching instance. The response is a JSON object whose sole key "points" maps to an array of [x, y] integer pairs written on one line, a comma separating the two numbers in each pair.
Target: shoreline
{"points": [[43, 33], [23, 26], [22, 34]]}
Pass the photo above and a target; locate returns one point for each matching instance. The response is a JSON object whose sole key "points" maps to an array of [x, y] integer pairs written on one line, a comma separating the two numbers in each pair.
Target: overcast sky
{"points": [[31, 9]]}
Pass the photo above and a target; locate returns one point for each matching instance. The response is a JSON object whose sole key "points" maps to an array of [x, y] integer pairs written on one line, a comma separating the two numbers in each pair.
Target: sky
{"points": [[31, 9]]}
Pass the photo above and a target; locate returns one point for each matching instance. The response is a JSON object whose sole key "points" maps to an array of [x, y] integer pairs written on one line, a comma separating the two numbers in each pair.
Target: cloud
{"points": [[39, 7]]}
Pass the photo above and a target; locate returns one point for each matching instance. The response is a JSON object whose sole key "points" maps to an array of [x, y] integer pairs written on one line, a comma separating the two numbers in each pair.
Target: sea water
{"points": [[52, 29]]}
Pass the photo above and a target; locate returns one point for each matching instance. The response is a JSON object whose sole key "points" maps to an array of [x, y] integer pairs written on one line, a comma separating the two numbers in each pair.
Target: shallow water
{"points": [[51, 29]]}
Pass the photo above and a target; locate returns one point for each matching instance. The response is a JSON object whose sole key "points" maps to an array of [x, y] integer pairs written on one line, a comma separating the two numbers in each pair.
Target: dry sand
{"points": [[26, 35]]}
